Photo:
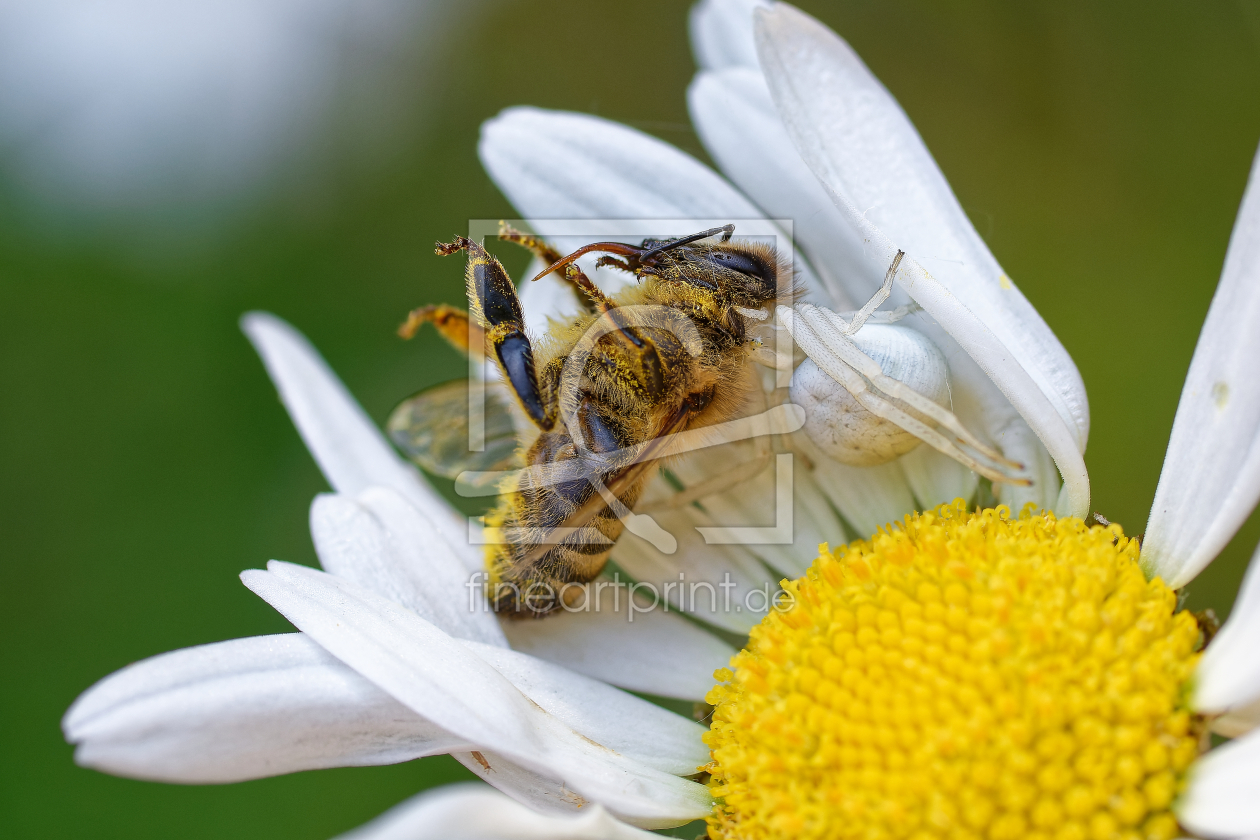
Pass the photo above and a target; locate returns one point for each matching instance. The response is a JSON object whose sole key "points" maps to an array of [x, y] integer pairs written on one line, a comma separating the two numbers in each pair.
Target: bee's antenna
{"points": [[637, 255], [610, 247], [725, 230]]}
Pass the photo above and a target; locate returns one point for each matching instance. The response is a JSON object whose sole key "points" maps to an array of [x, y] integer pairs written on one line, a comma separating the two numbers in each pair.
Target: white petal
{"points": [[476, 812], [865, 152], [1211, 477], [723, 585], [347, 445], [722, 33], [740, 128], [441, 679], [556, 167], [867, 497], [656, 652], [753, 504], [813, 523], [979, 405], [817, 520], [1228, 675], [1238, 721], [1222, 797], [381, 541], [1019, 443], [633, 727], [935, 478], [543, 793], [244, 709]]}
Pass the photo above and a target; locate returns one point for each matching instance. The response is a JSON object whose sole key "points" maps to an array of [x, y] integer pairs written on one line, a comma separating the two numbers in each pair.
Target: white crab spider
{"points": [[837, 422], [873, 397]]}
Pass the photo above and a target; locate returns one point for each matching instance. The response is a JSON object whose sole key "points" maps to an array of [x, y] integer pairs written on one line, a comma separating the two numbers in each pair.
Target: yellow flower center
{"points": [[963, 675]]}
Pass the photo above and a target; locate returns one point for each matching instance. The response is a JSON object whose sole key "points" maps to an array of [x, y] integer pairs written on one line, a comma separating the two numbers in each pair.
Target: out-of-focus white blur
{"points": [[115, 104]]}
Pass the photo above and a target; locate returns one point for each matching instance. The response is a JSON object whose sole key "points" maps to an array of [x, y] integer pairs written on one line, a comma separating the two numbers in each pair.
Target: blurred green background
{"points": [[1100, 149]]}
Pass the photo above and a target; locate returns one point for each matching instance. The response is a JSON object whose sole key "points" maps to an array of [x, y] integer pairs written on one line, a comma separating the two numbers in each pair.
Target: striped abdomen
{"points": [[529, 514]]}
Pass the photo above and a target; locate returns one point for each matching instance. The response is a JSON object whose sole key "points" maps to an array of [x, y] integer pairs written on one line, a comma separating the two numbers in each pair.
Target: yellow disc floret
{"points": [[966, 674]]}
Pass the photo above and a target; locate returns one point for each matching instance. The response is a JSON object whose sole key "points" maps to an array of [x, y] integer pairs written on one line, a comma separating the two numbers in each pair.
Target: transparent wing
{"points": [[431, 428]]}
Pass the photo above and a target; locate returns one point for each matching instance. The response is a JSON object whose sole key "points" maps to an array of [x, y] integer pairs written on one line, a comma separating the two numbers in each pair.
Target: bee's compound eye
{"points": [[744, 264], [845, 430]]}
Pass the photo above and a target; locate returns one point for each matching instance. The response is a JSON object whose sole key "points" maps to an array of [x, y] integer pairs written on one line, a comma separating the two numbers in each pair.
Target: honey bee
{"points": [[604, 390]]}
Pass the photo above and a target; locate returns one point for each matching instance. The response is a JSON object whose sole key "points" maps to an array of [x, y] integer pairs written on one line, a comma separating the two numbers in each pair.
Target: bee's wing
{"points": [[431, 428]]}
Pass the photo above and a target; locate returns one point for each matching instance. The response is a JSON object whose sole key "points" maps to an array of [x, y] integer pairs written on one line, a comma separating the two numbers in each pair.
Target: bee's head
{"points": [[745, 273], [742, 273]]}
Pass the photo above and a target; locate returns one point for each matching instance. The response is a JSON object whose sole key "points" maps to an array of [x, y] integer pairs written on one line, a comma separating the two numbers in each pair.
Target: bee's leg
{"points": [[496, 308], [613, 262], [531, 243], [451, 322], [587, 291], [592, 297], [632, 344]]}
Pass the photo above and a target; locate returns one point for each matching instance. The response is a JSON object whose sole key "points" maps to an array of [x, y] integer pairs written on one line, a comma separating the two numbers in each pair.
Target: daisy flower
{"points": [[982, 674], [396, 659], [977, 674]]}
